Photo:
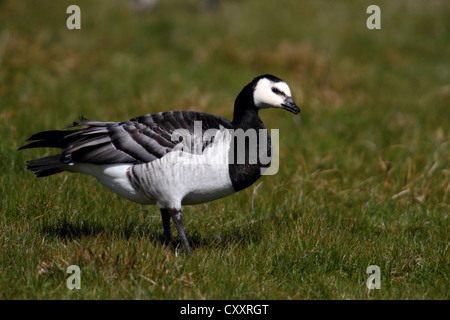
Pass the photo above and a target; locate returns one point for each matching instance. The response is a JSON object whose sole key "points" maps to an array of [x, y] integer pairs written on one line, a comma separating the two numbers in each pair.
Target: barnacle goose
{"points": [[148, 159]]}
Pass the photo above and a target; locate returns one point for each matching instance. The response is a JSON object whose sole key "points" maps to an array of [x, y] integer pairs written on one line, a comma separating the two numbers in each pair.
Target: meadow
{"points": [[364, 174]]}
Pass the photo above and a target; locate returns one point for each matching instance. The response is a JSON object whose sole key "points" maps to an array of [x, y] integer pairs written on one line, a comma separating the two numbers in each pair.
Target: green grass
{"points": [[364, 172]]}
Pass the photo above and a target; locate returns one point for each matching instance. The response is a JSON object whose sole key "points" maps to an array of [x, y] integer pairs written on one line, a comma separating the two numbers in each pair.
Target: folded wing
{"points": [[139, 140]]}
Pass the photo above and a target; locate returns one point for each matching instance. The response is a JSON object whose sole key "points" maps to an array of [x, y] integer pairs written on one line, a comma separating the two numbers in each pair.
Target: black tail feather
{"points": [[46, 166], [49, 165], [40, 144], [50, 139], [77, 138]]}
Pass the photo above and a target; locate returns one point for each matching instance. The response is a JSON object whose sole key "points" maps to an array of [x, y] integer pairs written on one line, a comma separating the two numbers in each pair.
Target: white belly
{"points": [[114, 177]]}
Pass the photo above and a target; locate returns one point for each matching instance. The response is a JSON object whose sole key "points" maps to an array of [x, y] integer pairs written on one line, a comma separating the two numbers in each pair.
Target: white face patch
{"points": [[269, 94]]}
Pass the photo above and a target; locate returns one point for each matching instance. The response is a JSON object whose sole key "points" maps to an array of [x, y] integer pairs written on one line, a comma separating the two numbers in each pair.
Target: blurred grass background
{"points": [[364, 171]]}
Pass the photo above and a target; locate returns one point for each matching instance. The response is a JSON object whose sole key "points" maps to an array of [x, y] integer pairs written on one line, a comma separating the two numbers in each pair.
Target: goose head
{"points": [[272, 92]]}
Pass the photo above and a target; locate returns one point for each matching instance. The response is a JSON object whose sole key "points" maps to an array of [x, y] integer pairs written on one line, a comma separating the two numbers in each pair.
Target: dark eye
{"points": [[276, 90]]}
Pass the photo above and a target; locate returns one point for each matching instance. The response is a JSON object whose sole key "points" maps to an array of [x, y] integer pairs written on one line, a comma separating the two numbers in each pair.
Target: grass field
{"points": [[364, 171]]}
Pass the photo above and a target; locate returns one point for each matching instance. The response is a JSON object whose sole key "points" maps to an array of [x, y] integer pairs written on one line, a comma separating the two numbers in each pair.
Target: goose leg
{"points": [[166, 224], [177, 217]]}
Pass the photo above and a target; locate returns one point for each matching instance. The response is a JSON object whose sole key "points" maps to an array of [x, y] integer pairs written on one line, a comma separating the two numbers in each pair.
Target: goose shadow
{"points": [[74, 230], [240, 235]]}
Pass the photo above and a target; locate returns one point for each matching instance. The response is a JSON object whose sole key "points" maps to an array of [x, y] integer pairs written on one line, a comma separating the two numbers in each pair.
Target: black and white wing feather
{"points": [[138, 140]]}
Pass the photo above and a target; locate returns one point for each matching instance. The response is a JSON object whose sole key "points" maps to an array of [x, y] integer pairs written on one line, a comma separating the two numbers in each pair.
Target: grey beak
{"points": [[289, 105]]}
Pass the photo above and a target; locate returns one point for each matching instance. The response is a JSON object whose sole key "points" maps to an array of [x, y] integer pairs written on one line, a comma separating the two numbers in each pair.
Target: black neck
{"points": [[245, 114], [246, 117]]}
